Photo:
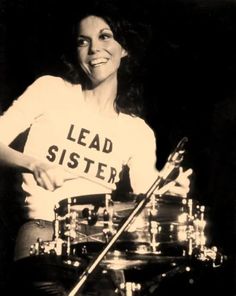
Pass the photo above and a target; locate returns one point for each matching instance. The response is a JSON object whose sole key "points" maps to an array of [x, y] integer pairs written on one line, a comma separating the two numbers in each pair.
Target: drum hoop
{"points": [[93, 199]]}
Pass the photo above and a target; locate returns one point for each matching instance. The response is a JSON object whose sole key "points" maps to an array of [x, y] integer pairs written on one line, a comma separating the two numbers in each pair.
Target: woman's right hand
{"points": [[49, 176]]}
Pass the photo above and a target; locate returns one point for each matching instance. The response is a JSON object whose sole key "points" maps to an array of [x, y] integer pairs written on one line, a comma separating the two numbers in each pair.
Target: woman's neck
{"points": [[101, 98]]}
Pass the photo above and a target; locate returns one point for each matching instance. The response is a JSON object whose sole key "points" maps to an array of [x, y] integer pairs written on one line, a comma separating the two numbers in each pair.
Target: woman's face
{"points": [[99, 54]]}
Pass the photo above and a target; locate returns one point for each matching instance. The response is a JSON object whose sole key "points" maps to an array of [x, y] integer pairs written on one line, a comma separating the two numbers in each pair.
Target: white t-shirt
{"points": [[65, 131]]}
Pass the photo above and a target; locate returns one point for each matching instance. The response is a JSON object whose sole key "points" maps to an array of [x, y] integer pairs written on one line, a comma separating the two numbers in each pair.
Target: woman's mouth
{"points": [[98, 62]]}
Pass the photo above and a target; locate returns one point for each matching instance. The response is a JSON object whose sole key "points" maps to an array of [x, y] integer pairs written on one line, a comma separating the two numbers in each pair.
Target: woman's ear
{"points": [[124, 53]]}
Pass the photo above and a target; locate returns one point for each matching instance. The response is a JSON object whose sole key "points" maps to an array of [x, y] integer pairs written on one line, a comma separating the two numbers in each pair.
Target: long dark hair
{"points": [[133, 35]]}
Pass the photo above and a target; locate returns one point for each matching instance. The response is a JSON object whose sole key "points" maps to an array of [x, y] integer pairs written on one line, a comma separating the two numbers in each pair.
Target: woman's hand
{"points": [[179, 186], [49, 176]]}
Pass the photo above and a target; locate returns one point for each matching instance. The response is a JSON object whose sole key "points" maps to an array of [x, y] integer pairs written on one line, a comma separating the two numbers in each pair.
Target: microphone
{"points": [[177, 155], [171, 168]]}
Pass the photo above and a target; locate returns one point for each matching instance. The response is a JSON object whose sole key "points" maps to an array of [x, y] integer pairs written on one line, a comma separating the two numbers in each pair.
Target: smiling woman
{"points": [[84, 128], [115, 31], [99, 54]]}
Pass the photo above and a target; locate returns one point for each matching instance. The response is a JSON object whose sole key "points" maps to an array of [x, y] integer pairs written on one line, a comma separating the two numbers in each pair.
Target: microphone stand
{"points": [[172, 164]]}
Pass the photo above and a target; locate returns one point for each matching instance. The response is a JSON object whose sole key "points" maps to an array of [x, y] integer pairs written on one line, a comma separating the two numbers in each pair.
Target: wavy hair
{"points": [[133, 35]]}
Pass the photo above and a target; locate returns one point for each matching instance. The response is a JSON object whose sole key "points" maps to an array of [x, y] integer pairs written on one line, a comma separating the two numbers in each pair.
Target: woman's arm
{"points": [[143, 171], [14, 159], [19, 117], [46, 175]]}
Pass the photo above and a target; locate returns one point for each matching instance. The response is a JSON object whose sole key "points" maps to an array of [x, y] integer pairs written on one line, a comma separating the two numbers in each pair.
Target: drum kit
{"points": [[163, 234]]}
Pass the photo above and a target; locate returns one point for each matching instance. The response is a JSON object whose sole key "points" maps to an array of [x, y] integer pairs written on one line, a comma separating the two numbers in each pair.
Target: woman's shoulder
{"points": [[134, 121], [52, 81], [48, 86], [50, 91], [136, 125]]}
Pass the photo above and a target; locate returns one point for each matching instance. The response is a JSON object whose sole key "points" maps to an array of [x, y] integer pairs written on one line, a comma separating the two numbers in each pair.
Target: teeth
{"points": [[98, 61]]}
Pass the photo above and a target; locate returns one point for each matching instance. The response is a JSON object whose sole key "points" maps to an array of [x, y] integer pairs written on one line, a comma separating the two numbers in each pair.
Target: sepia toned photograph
{"points": [[117, 147]]}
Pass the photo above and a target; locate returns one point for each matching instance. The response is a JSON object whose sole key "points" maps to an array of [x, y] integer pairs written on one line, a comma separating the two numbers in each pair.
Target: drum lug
{"points": [[130, 288], [210, 256], [55, 247]]}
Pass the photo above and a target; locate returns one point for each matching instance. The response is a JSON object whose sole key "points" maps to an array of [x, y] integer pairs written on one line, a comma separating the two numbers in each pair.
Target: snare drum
{"points": [[169, 227]]}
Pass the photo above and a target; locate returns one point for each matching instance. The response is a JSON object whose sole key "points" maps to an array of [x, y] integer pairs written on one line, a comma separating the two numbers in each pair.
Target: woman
{"points": [[81, 132]]}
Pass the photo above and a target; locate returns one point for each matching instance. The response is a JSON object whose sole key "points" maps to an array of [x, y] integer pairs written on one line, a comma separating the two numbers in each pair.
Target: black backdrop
{"points": [[189, 91]]}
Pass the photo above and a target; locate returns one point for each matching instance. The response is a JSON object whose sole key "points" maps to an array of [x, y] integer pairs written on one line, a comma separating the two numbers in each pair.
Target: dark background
{"points": [[189, 91]]}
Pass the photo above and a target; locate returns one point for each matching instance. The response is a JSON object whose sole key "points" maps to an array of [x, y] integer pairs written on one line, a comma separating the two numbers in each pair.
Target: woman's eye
{"points": [[81, 42], [105, 36]]}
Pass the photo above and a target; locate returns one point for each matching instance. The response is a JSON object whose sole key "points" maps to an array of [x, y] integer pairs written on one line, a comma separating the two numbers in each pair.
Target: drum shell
{"points": [[161, 227]]}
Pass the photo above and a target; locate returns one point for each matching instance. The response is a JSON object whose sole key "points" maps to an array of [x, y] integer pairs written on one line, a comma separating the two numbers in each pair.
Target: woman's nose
{"points": [[95, 46]]}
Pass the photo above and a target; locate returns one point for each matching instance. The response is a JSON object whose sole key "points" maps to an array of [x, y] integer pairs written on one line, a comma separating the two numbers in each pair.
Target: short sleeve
{"points": [[142, 163], [24, 110]]}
